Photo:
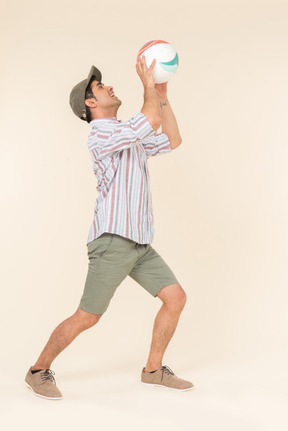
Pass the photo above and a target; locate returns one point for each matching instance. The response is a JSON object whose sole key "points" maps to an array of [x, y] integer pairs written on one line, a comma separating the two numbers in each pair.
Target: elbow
{"points": [[176, 143], [156, 122], [154, 118]]}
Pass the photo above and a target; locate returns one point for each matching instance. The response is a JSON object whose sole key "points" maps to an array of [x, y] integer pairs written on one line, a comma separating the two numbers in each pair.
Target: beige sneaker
{"points": [[164, 376], [43, 384]]}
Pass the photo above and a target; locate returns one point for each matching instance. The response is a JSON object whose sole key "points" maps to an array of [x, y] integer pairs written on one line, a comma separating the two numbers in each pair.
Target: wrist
{"points": [[163, 99], [164, 103], [149, 87]]}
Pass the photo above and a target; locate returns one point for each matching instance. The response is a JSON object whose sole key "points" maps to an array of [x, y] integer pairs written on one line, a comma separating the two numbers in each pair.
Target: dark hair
{"points": [[89, 95]]}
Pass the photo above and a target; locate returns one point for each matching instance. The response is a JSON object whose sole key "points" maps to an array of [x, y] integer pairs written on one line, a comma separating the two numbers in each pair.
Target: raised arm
{"points": [[169, 123], [151, 107]]}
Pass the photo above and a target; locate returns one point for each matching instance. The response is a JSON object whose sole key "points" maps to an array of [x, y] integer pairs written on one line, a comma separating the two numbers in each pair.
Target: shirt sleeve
{"points": [[156, 145], [111, 138]]}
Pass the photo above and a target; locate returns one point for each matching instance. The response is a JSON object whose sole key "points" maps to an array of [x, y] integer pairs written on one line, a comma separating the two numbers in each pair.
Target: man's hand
{"points": [[151, 107], [144, 73]]}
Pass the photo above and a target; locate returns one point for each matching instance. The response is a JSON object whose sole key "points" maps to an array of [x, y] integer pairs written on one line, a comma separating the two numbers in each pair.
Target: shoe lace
{"points": [[48, 375], [166, 370]]}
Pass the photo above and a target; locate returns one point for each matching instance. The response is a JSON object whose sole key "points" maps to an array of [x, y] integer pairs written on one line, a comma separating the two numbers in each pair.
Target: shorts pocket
{"points": [[99, 246]]}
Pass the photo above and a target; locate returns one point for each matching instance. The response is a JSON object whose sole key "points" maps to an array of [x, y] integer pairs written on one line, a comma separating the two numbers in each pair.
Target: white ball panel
{"points": [[162, 52]]}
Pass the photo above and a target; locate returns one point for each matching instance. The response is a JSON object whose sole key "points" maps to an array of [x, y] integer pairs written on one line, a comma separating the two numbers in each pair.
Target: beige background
{"points": [[220, 204]]}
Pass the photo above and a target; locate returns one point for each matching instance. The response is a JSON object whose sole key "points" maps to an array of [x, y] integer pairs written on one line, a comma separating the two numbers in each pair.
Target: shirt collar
{"points": [[96, 121]]}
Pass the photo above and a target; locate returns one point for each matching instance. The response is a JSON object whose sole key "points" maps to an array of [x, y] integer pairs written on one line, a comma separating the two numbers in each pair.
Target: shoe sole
{"points": [[42, 396], [167, 387]]}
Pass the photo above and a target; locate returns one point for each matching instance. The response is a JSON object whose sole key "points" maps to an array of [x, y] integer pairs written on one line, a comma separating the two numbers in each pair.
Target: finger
{"points": [[144, 64], [139, 65], [152, 65]]}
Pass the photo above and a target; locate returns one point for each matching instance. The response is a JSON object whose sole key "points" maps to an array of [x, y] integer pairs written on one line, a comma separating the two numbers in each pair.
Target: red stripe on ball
{"points": [[148, 45]]}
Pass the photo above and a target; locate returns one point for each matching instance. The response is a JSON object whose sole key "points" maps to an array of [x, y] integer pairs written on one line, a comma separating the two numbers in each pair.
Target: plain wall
{"points": [[220, 200]]}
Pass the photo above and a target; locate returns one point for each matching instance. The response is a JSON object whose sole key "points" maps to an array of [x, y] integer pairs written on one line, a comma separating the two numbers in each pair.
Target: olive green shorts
{"points": [[111, 259]]}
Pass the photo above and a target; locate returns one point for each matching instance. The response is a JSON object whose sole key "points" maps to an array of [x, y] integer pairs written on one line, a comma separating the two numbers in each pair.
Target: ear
{"points": [[92, 103]]}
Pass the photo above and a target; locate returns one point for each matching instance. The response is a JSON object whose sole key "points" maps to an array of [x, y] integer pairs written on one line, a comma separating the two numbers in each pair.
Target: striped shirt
{"points": [[119, 151]]}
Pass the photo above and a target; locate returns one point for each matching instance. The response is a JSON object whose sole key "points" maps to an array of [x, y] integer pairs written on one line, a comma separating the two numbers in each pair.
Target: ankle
{"points": [[39, 367], [153, 367]]}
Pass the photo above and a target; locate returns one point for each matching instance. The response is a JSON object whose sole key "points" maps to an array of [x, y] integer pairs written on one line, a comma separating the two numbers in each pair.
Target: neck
{"points": [[109, 113]]}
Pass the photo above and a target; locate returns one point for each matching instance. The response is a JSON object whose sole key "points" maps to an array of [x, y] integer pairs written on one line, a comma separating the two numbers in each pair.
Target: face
{"points": [[105, 96]]}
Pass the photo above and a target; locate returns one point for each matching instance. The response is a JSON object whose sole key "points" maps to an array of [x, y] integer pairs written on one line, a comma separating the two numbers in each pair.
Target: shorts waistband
{"points": [[122, 237]]}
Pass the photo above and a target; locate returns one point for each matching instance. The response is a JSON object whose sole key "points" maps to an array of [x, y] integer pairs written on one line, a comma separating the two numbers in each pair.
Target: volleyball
{"points": [[166, 59]]}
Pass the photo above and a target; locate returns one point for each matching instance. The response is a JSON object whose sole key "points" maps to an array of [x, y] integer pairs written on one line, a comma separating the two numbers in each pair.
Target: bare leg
{"points": [[174, 299], [63, 335]]}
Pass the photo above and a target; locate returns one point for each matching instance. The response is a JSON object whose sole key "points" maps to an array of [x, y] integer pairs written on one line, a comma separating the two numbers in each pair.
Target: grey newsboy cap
{"points": [[77, 95]]}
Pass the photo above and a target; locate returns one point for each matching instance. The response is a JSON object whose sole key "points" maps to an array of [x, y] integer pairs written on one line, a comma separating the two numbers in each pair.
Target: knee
{"points": [[180, 299], [87, 320], [173, 297]]}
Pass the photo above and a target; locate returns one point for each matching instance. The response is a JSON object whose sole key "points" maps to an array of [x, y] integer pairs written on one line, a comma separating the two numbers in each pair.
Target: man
{"points": [[120, 237]]}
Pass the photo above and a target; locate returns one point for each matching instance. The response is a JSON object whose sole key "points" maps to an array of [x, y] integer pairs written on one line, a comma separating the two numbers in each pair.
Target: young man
{"points": [[120, 237]]}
